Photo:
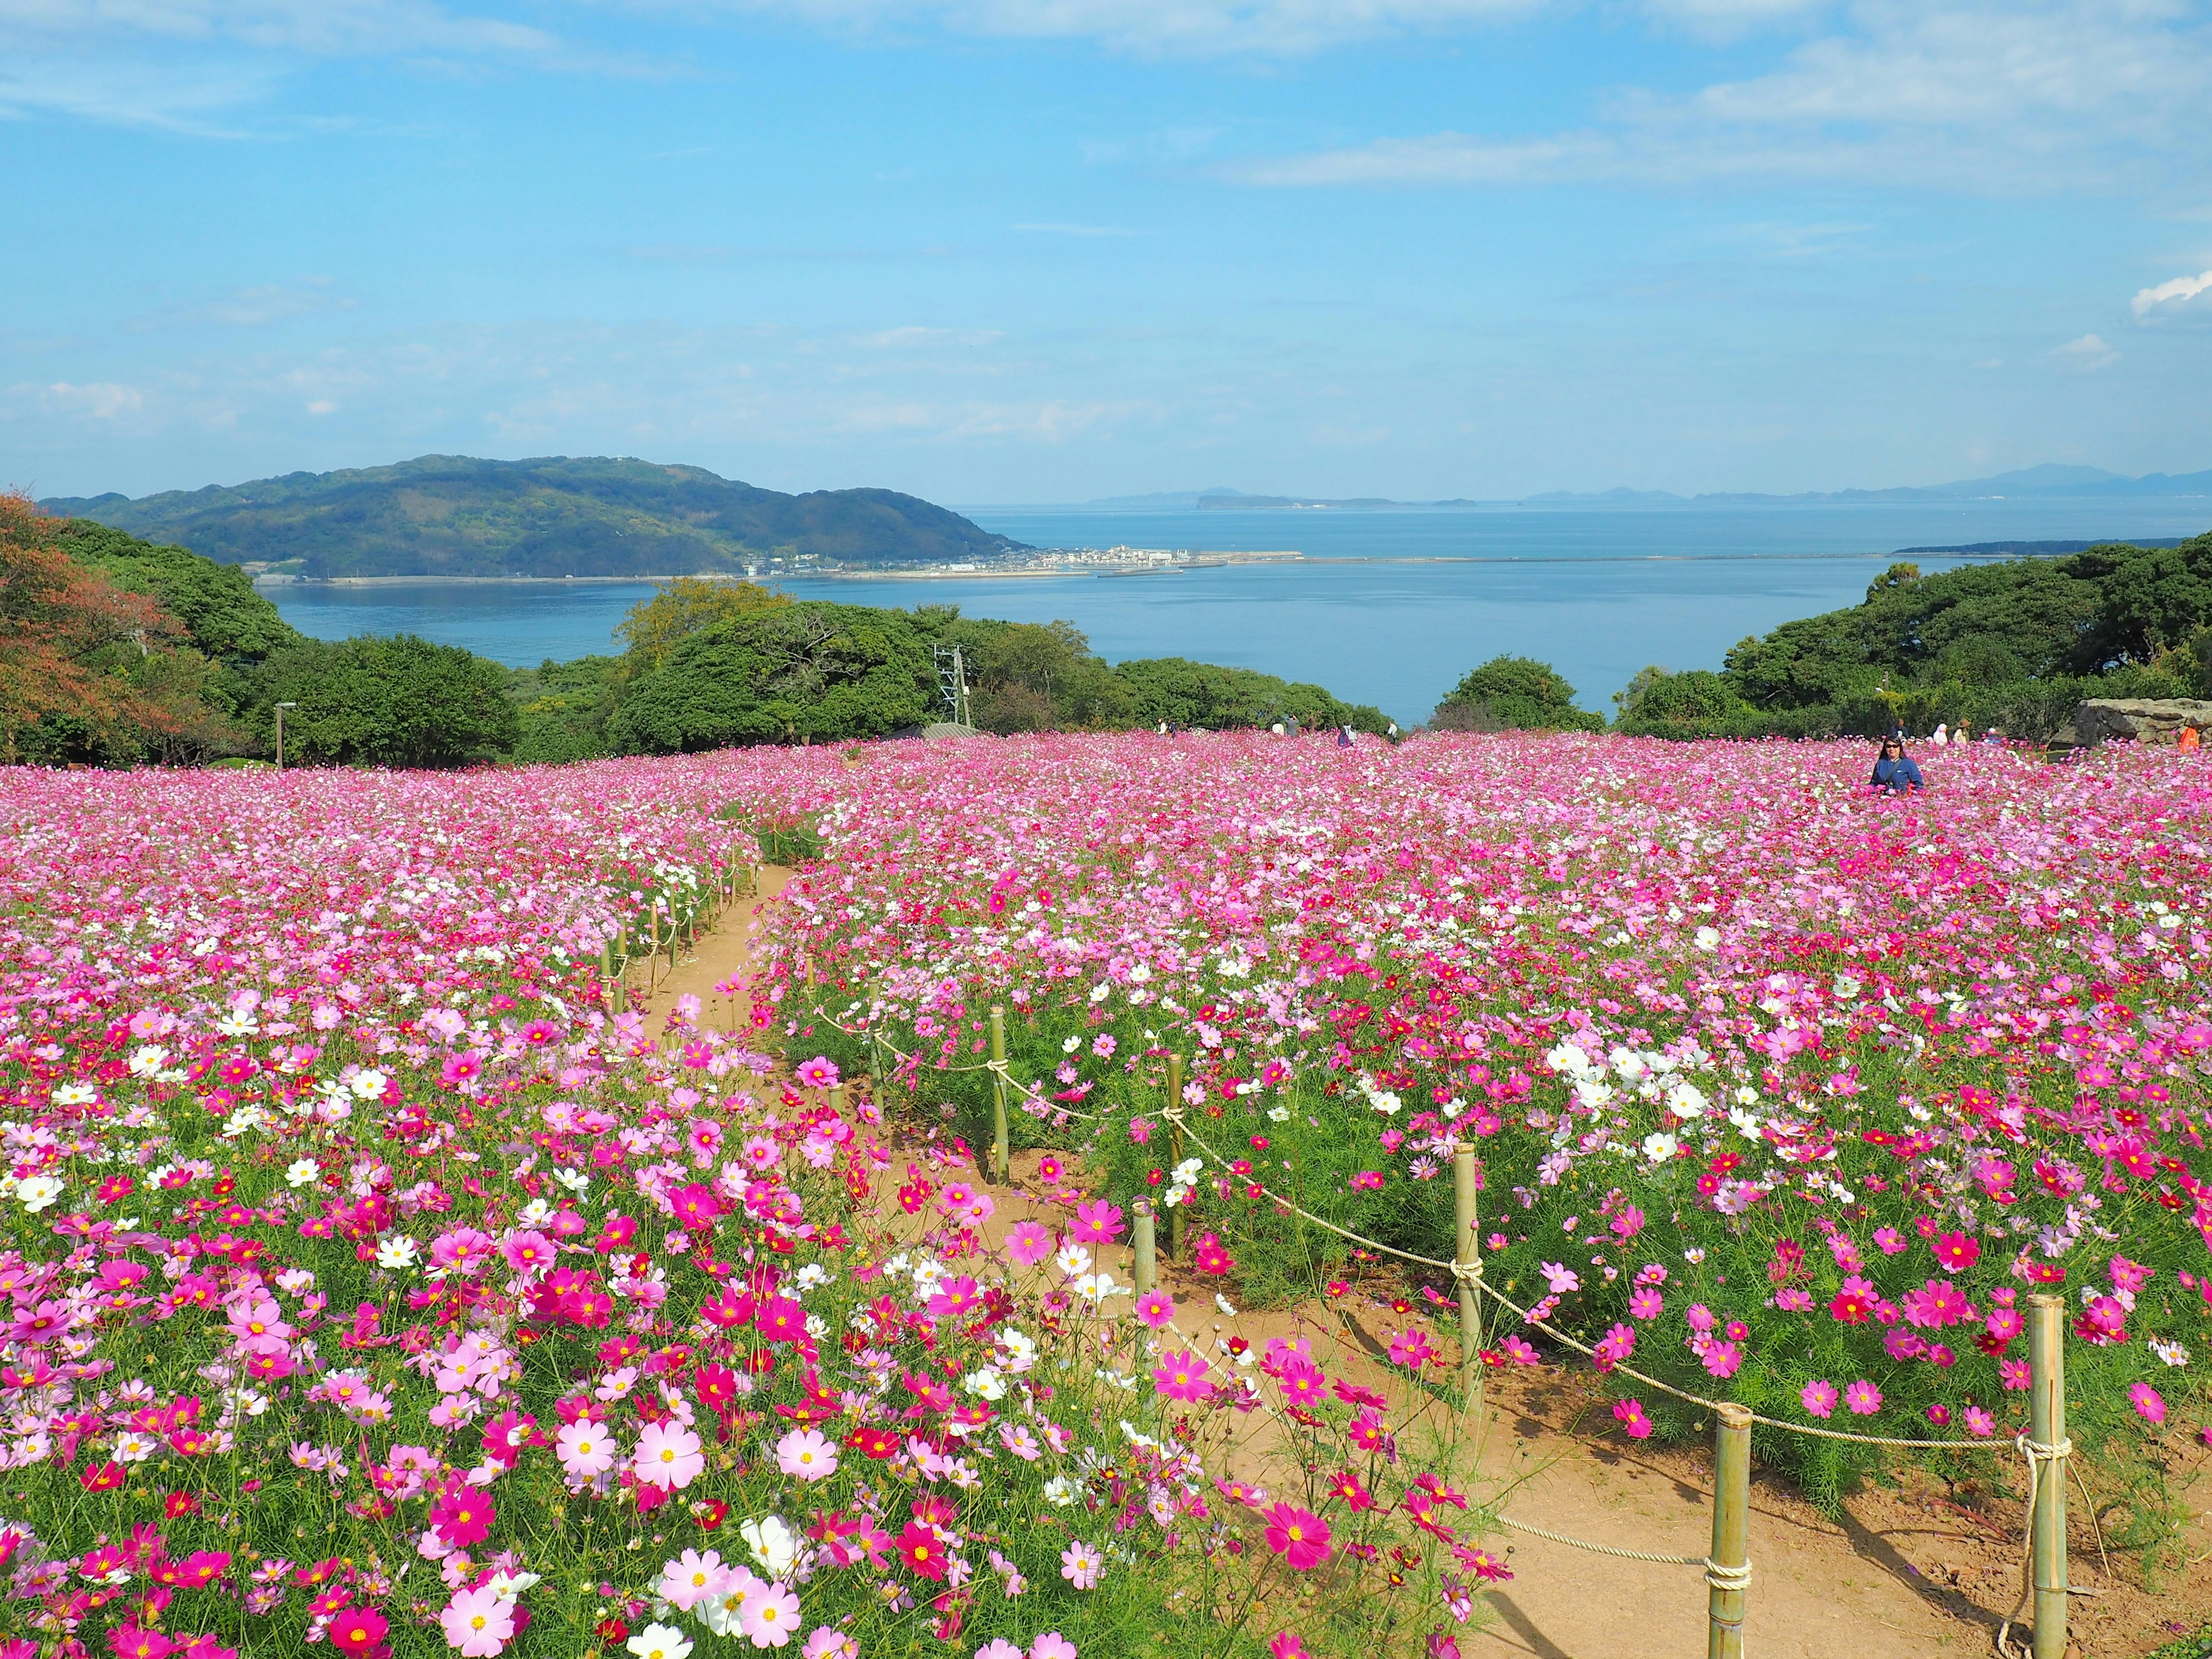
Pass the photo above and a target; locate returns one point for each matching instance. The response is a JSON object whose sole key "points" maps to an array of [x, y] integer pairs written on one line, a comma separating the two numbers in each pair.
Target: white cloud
{"points": [[2062, 94], [100, 400], [255, 307], [2086, 353], [2172, 296]]}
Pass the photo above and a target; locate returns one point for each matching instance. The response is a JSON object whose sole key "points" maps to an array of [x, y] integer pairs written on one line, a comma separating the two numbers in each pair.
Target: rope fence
{"points": [[1727, 1566]]}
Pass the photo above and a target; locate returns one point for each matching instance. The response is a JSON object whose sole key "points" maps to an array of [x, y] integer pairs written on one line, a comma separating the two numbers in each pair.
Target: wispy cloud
{"points": [[2086, 353], [253, 307], [1160, 28], [2063, 93], [2169, 297]]}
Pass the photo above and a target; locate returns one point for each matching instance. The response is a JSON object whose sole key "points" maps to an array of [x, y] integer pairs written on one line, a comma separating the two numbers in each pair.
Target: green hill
{"points": [[450, 515]]}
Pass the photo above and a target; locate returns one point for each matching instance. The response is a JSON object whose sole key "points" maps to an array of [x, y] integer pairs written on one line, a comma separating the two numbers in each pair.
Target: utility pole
{"points": [[281, 707]]}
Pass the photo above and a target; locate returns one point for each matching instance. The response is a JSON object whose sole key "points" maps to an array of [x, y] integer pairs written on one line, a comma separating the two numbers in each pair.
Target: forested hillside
{"points": [[450, 515]]}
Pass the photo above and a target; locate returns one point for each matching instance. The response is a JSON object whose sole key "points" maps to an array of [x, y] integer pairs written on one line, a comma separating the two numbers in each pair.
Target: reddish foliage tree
{"points": [[59, 623]]}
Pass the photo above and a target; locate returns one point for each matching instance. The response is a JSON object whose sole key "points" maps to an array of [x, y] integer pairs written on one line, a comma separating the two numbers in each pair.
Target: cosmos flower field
{"points": [[373, 1282]]}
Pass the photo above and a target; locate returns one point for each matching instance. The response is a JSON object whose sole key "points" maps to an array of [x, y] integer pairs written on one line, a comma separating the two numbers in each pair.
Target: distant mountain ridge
{"points": [[453, 515], [2052, 480]]}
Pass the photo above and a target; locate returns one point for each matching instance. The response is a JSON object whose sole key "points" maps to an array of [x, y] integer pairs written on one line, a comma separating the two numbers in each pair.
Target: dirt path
{"points": [[1903, 1572]]}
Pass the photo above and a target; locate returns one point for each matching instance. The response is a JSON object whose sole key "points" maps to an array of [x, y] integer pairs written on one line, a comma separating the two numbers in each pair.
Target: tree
{"points": [[1183, 693], [67, 640], [372, 701], [823, 672], [1514, 693], [683, 606], [1901, 574], [1696, 704], [222, 614]]}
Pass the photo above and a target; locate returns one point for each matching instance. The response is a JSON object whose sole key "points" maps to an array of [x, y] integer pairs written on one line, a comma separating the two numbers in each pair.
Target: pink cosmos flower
{"points": [[692, 1578], [1645, 1303], [1633, 1422], [1181, 1375], [1052, 1645], [770, 1616], [1156, 1308], [668, 1455], [1956, 1251], [1097, 1223], [1617, 1344], [2015, 1374], [1028, 1242], [819, 1073], [806, 1455], [1820, 1398], [1410, 1349], [998, 1647], [586, 1449], [1979, 1424], [2149, 1403], [1080, 1564], [1300, 1536], [477, 1622], [1863, 1398]]}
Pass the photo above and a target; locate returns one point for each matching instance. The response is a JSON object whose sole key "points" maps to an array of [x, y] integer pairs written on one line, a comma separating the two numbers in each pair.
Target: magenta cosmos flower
{"points": [[1156, 1308], [2149, 1403], [1180, 1375], [1863, 1398], [1300, 1536], [1820, 1397], [1097, 1222]]}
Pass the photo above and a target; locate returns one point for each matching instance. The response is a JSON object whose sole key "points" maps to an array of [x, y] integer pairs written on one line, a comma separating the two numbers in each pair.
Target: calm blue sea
{"points": [[1425, 596]]}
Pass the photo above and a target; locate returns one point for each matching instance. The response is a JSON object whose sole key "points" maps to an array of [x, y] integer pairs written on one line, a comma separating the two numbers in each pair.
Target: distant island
{"points": [[453, 516], [2049, 481]]}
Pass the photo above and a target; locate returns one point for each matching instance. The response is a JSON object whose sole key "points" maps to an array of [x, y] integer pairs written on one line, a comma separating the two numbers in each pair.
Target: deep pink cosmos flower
{"points": [[1300, 1536]]}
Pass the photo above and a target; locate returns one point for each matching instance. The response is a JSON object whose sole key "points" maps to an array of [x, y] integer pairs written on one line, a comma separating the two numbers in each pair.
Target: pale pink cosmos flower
{"points": [[770, 1618], [1052, 1645], [828, 1642], [585, 1450], [691, 1578], [668, 1455], [477, 1622], [1080, 1564], [806, 1455]]}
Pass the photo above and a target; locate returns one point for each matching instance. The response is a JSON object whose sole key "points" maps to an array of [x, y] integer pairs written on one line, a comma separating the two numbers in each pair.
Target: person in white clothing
{"points": [[1942, 735]]}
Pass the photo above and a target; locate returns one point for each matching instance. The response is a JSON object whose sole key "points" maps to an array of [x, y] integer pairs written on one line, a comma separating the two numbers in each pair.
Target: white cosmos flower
{"points": [[772, 1543], [367, 1085], [1708, 939], [302, 1170], [1660, 1146], [397, 1252], [1072, 1259], [38, 1193], [1059, 1492]]}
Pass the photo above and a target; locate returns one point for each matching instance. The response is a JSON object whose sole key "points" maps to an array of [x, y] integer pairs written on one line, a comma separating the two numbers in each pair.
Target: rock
{"points": [[2141, 719]]}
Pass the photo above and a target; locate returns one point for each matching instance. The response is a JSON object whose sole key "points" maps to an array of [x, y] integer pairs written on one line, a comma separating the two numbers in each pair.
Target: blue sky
{"points": [[1048, 250]]}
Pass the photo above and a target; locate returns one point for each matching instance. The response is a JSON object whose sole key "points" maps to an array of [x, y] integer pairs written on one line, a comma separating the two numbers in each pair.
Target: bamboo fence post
{"points": [[1465, 1182], [607, 967], [1175, 1152], [1000, 1157], [1148, 1256], [652, 946], [2046, 1427], [837, 1099], [1731, 1530]]}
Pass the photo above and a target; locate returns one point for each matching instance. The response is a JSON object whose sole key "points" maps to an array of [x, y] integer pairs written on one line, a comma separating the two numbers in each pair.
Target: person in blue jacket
{"points": [[1895, 771]]}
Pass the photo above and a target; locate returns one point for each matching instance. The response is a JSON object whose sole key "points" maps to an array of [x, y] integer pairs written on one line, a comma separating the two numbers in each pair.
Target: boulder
{"points": [[2141, 719]]}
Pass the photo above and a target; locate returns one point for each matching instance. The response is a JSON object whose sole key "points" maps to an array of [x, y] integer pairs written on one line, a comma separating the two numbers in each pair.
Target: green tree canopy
{"points": [[823, 672], [1514, 693], [372, 701], [1197, 694], [223, 616]]}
